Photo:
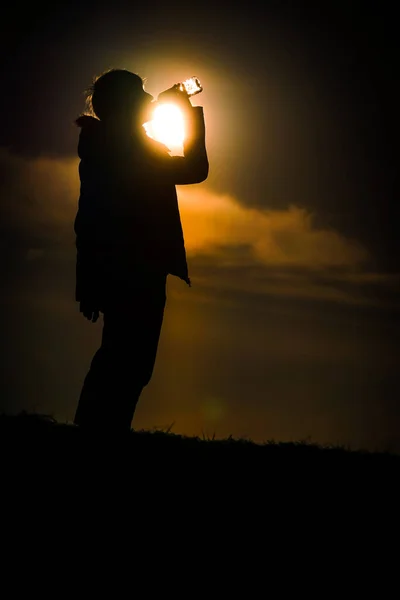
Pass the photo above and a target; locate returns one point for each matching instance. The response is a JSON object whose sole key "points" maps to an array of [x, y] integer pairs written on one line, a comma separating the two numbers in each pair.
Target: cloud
{"points": [[278, 252], [264, 251], [34, 253], [38, 200], [285, 238]]}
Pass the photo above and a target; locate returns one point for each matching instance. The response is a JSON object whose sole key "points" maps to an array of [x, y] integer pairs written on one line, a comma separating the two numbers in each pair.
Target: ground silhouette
{"points": [[180, 486], [42, 442], [232, 509]]}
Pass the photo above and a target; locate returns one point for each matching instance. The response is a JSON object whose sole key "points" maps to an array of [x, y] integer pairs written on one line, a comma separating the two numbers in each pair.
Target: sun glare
{"points": [[167, 125]]}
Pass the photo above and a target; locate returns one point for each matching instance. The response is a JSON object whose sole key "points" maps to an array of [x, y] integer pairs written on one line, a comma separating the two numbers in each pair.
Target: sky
{"points": [[290, 330]]}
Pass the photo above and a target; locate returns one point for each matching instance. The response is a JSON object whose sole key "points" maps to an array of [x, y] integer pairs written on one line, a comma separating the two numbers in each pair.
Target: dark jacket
{"points": [[128, 222]]}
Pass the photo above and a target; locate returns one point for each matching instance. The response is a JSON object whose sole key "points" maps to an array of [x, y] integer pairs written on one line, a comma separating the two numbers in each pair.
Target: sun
{"points": [[167, 126]]}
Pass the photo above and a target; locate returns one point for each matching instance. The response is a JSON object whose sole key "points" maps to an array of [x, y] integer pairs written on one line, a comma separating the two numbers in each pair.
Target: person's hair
{"points": [[113, 91]]}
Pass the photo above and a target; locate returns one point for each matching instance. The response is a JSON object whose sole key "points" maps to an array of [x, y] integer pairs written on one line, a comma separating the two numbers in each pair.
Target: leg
{"points": [[124, 363]]}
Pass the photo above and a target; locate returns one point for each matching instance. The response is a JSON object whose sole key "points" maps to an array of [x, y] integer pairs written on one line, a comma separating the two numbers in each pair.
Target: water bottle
{"points": [[191, 86]]}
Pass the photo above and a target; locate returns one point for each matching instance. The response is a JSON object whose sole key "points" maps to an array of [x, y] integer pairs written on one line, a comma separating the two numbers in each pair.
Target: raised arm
{"points": [[193, 166]]}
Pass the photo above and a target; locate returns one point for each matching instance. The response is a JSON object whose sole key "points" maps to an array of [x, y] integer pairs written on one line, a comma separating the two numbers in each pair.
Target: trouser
{"points": [[124, 363]]}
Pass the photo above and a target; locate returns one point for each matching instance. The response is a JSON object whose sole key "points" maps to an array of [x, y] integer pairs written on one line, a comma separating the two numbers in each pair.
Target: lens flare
{"points": [[167, 125]]}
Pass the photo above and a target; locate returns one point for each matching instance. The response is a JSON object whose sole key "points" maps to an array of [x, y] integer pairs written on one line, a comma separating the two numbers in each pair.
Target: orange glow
{"points": [[167, 126]]}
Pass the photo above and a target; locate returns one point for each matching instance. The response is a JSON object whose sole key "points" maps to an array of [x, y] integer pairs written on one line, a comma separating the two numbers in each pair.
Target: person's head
{"points": [[120, 94]]}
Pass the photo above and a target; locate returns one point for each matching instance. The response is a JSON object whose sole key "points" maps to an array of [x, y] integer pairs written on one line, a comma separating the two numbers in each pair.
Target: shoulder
{"points": [[87, 121], [90, 130], [89, 126]]}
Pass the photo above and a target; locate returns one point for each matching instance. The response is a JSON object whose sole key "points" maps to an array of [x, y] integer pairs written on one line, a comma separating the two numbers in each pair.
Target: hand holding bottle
{"points": [[180, 93]]}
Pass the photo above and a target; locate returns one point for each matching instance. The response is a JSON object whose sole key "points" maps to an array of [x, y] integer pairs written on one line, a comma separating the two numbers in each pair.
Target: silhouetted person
{"points": [[128, 238]]}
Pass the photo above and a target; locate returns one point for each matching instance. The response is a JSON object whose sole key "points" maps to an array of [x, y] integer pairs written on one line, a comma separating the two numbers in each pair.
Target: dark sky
{"points": [[291, 328]]}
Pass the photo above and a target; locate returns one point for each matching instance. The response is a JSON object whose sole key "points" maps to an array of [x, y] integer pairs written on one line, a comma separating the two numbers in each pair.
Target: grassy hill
{"points": [[164, 480], [232, 508], [41, 441]]}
